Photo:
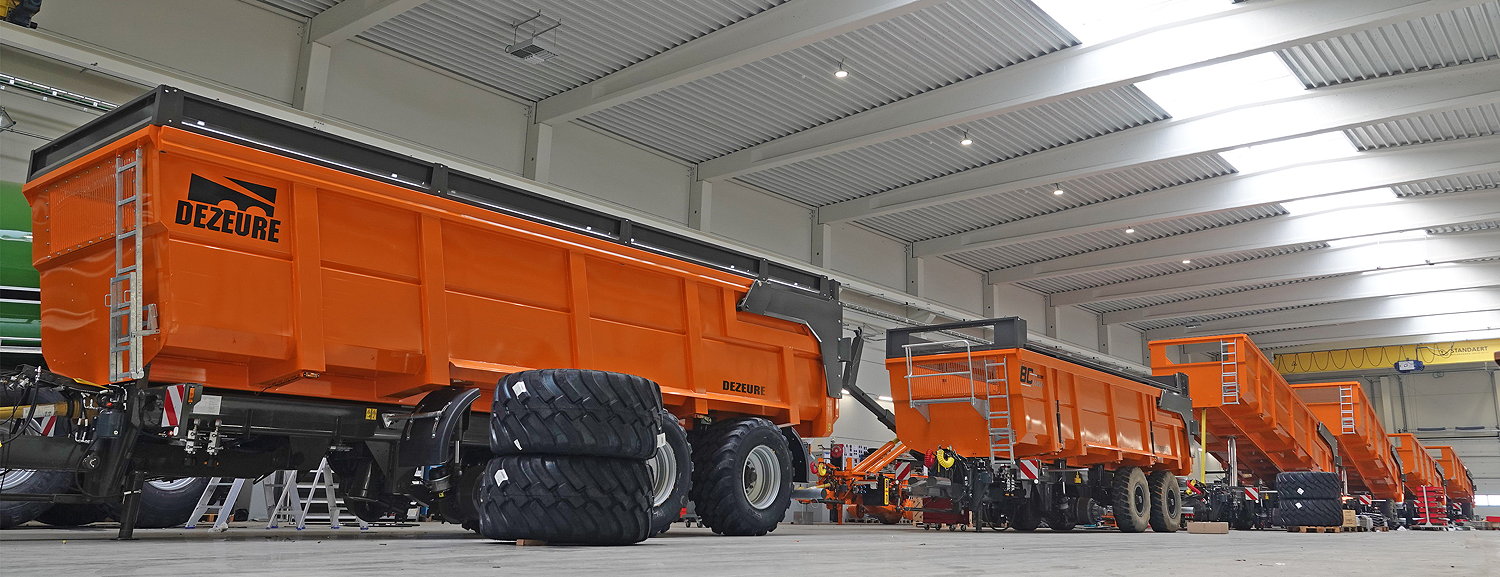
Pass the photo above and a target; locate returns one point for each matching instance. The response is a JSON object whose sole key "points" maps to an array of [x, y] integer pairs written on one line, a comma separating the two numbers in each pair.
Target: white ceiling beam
{"points": [[349, 18], [1313, 263], [1177, 139], [1390, 307], [1312, 112], [1378, 284], [1244, 30], [1429, 327], [1395, 216], [781, 29]]}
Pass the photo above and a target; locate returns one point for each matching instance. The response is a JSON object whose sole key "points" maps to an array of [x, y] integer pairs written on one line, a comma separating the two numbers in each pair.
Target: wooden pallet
{"points": [[1300, 529]]}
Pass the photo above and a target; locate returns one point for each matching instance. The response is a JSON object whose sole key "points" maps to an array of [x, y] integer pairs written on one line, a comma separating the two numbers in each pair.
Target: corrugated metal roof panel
{"points": [[597, 37], [891, 164], [303, 8], [1109, 277], [1164, 323], [796, 90], [1469, 34], [966, 215], [1161, 299], [1041, 250], [1465, 227], [1449, 184], [1482, 120]]}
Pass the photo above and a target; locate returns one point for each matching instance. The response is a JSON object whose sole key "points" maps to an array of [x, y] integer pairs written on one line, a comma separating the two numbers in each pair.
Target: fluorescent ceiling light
{"points": [[1094, 21], [1274, 155], [1377, 238], [885, 398], [1339, 201], [1222, 86]]}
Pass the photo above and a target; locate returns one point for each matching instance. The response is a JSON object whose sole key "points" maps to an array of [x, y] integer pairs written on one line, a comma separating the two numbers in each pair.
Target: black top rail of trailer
{"points": [[1006, 333], [168, 106]]}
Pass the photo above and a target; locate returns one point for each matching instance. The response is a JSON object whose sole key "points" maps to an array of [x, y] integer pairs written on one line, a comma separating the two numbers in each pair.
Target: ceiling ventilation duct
{"points": [[529, 41]]}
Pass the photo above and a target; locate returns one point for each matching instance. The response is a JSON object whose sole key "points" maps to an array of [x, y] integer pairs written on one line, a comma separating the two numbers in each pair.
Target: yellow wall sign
{"points": [[1369, 358]]}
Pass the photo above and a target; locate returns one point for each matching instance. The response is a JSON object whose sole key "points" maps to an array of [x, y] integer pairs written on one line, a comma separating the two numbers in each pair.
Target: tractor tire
{"points": [[13, 513], [1309, 485], [166, 503], [742, 477], [565, 499], [671, 474], [1166, 502], [575, 412], [1308, 513], [1130, 496]]}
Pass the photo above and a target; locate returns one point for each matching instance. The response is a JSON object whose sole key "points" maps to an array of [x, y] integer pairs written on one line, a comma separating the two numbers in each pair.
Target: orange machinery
{"points": [[865, 486], [1252, 415], [319, 287], [347, 286], [1346, 410], [1460, 484], [1033, 416], [1418, 468]]}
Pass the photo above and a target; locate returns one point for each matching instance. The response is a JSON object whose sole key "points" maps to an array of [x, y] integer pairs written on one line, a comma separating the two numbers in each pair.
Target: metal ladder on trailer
{"points": [[130, 318], [1346, 410], [1002, 435], [995, 408], [1229, 358]]}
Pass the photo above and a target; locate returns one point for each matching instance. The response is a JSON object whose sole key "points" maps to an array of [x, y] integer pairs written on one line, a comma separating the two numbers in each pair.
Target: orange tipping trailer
{"points": [[1049, 430], [1460, 484], [1418, 467], [1247, 400], [1346, 410], [321, 291], [1256, 426]]}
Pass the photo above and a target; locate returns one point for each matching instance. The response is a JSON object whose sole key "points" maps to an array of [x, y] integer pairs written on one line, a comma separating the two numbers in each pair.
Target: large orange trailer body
{"points": [[1418, 468], [1460, 487], [1244, 397], [340, 286], [1370, 460], [1058, 410]]}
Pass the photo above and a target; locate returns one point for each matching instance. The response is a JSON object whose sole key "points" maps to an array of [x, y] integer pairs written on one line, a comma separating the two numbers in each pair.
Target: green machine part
{"points": [[20, 307]]}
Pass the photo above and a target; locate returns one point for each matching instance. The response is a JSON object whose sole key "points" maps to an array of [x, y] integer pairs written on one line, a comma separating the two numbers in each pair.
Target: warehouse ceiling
{"points": [[1305, 171]]}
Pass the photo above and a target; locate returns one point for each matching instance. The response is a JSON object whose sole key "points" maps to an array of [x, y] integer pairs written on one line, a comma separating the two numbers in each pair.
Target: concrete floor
{"points": [[863, 550]]}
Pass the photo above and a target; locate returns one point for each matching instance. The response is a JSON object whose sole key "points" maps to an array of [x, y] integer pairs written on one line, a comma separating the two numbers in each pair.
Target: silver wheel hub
{"points": [[12, 478], [663, 467], [172, 484], [762, 477]]}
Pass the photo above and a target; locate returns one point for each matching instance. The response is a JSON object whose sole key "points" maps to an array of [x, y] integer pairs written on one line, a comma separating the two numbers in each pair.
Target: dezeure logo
{"points": [[202, 208]]}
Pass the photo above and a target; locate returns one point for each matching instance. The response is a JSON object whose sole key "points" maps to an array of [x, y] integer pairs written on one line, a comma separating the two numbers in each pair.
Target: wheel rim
{"points": [[762, 477], [663, 467], [1142, 499], [12, 478], [173, 484]]}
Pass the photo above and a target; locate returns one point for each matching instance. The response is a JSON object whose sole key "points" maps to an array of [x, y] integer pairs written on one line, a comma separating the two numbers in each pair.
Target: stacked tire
{"points": [[575, 452], [1308, 499]]}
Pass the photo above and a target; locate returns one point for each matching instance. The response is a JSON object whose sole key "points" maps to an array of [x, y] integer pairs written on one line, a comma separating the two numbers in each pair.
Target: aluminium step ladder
{"points": [[294, 507], [222, 510]]}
